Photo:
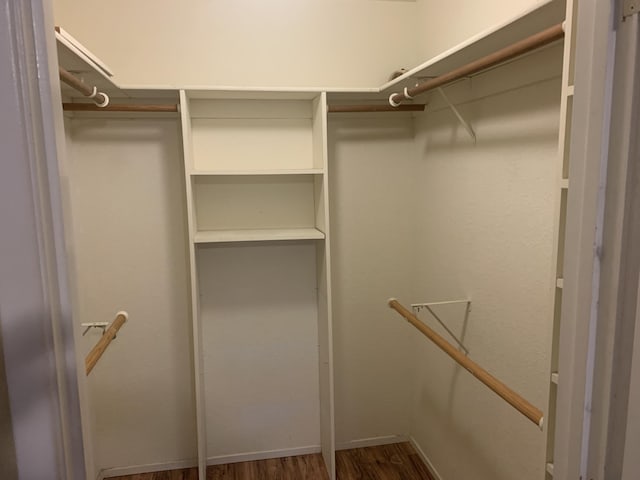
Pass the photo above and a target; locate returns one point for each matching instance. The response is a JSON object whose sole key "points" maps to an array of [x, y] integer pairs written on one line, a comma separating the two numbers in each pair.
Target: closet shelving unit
{"points": [[562, 175], [256, 175]]}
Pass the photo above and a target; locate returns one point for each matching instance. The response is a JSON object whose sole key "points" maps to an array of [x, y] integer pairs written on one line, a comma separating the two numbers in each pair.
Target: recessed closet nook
{"points": [[256, 225]]}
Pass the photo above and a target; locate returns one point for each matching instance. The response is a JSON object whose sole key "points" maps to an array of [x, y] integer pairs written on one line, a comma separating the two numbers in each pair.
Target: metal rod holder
{"points": [[416, 307], [89, 326]]}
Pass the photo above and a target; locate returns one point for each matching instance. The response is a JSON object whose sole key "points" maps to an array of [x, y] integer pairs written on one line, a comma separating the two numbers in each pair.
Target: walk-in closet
{"points": [[254, 184]]}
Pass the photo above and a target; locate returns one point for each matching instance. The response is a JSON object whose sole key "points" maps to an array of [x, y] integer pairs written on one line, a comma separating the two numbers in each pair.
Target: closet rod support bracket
{"points": [[458, 115], [416, 307], [90, 325]]}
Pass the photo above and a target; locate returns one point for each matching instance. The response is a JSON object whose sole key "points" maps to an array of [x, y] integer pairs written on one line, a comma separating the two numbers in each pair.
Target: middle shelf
{"points": [[260, 235], [231, 208]]}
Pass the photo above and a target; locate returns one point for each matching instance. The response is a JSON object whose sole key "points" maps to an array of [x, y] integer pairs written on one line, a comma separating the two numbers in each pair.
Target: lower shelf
{"points": [[262, 235]]}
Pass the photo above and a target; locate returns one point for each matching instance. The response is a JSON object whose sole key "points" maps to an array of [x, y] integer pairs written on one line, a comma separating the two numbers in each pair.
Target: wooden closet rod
{"points": [[101, 99], [512, 398], [89, 107], [375, 108], [514, 50], [96, 352]]}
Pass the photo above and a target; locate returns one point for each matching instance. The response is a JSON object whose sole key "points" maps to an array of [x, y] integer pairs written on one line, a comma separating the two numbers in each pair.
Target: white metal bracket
{"points": [[458, 115], [419, 306], [89, 326], [630, 7]]}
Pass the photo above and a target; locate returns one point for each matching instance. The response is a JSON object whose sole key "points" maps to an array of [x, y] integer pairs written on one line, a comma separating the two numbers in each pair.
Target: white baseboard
{"points": [[248, 457], [148, 468], [372, 442], [425, 459]]}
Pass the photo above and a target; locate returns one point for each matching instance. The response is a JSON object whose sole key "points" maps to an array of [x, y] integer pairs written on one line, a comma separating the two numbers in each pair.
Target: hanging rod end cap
{"points": [[541, 423], [392, 299], [124, 314], [392, 102]]}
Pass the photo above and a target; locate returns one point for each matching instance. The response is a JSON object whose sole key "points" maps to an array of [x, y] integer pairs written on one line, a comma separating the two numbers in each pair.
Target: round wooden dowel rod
{"points": [[526, 45], [96, 352], [512, 398], [82, 87], [89, 107], [375, 108]]}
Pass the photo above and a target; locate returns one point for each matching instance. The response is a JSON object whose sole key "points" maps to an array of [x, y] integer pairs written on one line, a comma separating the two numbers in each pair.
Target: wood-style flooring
{"points": [[398, 461]]}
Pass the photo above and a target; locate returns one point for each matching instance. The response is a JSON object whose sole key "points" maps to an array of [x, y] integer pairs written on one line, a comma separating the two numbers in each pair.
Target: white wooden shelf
{"points": [[540, 16], [554, 377], [260, 235], [300, 171]]}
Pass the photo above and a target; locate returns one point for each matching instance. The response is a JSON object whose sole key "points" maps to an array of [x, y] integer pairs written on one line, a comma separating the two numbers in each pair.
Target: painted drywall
{"points": [[259, 314], [129, 241], [372, 198], [338, 43], [486, 228]]}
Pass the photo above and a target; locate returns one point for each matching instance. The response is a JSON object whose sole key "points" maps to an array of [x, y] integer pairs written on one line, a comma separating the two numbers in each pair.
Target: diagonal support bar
{"points": [[458, 115]]}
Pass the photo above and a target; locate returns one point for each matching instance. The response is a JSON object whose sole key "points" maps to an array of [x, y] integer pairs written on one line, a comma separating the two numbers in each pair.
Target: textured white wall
{"points": [[487, 220], [126, 188], [339, 43], [372, 178], [259, 312]]}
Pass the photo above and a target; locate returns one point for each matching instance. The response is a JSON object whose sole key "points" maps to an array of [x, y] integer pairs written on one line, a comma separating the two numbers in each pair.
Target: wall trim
{"points": [[147, 468], [264, 455], [372, 442], [425, 459]]}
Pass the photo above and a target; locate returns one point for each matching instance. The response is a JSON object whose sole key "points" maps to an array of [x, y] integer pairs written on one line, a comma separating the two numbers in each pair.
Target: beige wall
{"points": [[486, 218], [280, 43], [129, 243], [337, 43], [372, 178]]}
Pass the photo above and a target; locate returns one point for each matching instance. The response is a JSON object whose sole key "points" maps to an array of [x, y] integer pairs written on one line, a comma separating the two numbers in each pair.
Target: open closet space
{"points": [[260, 233]]}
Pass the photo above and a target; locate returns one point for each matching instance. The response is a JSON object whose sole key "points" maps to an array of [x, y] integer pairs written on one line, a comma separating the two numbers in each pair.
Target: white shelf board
{"points": [[301, 171], [252, 93], [543, 15], [79, 61], [554, 377], [262, 235]]}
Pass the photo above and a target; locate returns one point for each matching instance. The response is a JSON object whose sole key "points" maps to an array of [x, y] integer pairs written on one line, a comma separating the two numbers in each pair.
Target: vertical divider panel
{"points": [[560, 220], [198, 367], [325, 329]]}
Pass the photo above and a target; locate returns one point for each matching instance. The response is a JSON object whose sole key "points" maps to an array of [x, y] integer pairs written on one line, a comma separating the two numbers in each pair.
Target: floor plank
{"points": [[398, 461]]}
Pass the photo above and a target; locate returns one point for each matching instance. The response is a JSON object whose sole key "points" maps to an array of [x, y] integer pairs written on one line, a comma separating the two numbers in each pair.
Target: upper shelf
{"points": [[77, 59], [543, 15]]}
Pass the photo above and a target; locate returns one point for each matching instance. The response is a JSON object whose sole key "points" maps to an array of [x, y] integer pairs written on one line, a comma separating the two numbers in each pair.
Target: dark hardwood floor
{"points": [[398, 461]]}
